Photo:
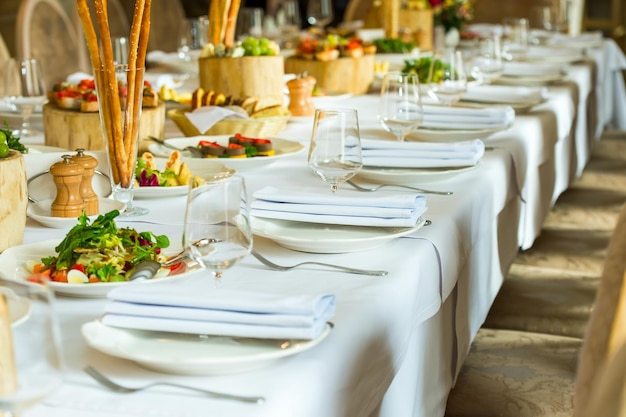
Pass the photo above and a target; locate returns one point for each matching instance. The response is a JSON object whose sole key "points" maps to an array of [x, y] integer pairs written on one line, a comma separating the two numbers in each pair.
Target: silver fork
{"points": [[277, 267], [378, 187], [126, 390]]}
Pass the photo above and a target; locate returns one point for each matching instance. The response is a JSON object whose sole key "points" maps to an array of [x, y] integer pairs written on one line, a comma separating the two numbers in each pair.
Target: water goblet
{"points": [[119, 92], [447, 79], [217, 231], [319, 13], [400, 106], [24, 89], [30, 358], [487, 65], [335, 149]]}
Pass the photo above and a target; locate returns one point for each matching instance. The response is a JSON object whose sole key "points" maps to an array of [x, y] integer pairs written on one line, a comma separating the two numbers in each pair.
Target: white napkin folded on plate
{"points": [[535, 52], [504, 94], [522, 69], [443, 117], [351, 208], [384, 153], [563, 39], [203, 118], [194, 307], [485, 29]]}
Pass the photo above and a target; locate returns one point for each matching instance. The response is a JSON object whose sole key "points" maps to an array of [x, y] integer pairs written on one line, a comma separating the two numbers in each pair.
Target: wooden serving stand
{"points": [[341, 75], [253, 76], [70, 129], [13, 200]]}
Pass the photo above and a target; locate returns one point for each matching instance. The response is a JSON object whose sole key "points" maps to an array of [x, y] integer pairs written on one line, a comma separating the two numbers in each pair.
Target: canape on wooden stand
{"points": [[13, 200]]}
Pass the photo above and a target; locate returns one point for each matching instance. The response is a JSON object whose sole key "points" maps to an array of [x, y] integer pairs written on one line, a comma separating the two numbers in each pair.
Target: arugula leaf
{"points": [[12, 140]]}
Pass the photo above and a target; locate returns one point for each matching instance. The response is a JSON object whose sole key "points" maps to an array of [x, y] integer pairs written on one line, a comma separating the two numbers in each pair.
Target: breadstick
{"points": [[129, 109], [141, 64], [96, 64], [231, 23], [224, 19], [214, 24], [113, 94]]}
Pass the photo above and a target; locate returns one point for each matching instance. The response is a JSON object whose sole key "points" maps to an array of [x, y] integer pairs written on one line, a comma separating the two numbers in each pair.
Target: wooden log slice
{"points": [[70, 129], [13, 200]]}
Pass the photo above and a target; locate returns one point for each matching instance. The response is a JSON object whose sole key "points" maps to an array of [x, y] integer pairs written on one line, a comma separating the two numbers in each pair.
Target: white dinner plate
{"points": [[207, 171], [44, 149], [185, 354], [282, 148], [529, 80], [452, 135], [40, 212], [327, 238], [410, 176], [518, 106], [19, 307], [13, 262]]}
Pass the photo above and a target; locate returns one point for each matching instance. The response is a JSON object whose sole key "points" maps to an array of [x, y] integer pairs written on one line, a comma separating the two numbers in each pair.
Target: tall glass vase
{"points": [[119, 101]]}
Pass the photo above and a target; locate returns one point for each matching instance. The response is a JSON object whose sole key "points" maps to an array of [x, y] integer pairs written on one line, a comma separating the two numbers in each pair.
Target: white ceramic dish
{"points": [[207, 171], [452, 135], [176, 353], [282, 148], [19, 307], [529, 80], [40, 212], [320, 238], [14, 258], [409, 176]]}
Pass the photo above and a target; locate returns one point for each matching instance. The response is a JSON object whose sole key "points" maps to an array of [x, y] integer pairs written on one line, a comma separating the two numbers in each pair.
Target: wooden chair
{"points": [[526, 374], [45, 31]]}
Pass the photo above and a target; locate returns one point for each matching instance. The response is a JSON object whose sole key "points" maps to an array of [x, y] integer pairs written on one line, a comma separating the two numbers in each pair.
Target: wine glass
{"points": [[25, 89], [488, 64], [447, 79], [335, 150], [319, 13], [400, 107], [30, 358], [217, 230]]}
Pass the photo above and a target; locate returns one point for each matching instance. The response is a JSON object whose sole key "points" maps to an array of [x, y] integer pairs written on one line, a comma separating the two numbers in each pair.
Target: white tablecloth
{"points": [[398, 340]]}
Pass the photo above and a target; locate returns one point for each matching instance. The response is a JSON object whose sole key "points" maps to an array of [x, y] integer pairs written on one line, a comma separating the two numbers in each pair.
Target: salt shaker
{"points": [[300, 92], [89, 164], [67, 176]]}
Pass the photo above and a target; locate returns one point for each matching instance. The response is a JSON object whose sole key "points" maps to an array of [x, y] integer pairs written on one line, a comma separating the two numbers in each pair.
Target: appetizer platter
{"points": [[255, 153]]}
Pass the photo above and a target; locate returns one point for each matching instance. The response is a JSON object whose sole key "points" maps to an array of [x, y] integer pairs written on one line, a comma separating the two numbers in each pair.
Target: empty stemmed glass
{"points": [[400, 107], [217, 232], [335, 150], [447, 79], [319, 13], [25, 89], [488, 65], [30, 358]]}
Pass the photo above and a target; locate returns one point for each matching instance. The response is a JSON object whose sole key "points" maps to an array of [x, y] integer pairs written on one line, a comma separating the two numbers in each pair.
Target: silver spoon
{"points": [[277, 267], [378, 187]]}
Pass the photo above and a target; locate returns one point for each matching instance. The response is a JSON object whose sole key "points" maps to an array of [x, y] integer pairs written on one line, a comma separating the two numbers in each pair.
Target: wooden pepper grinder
{"points": [[300, 93], [67, 176], [89, 164]]}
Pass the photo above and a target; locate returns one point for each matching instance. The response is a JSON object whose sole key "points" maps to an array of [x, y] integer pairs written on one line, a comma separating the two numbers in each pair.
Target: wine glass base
{"points": [[134, 212], [22, 133]]}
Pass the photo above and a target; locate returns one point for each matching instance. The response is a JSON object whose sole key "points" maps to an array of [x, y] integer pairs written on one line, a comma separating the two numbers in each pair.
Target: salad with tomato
{"points": [[99, 252]]}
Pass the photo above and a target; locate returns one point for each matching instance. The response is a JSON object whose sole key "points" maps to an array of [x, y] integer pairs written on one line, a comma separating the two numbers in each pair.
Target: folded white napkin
{"points": [[385, 153], [563, 39], [194, 307], [485, 29], [517, 69], [347, 207], [203, 118], [443, 117], [551, 52], [504, 94]]}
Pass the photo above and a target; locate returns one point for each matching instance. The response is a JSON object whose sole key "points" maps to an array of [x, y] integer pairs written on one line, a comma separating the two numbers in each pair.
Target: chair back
{"points": [[167, 19], [606, 329], [45, 31]]}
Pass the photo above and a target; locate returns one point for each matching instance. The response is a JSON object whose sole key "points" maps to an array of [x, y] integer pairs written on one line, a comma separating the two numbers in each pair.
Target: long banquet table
{"points": [[398, 340]]}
